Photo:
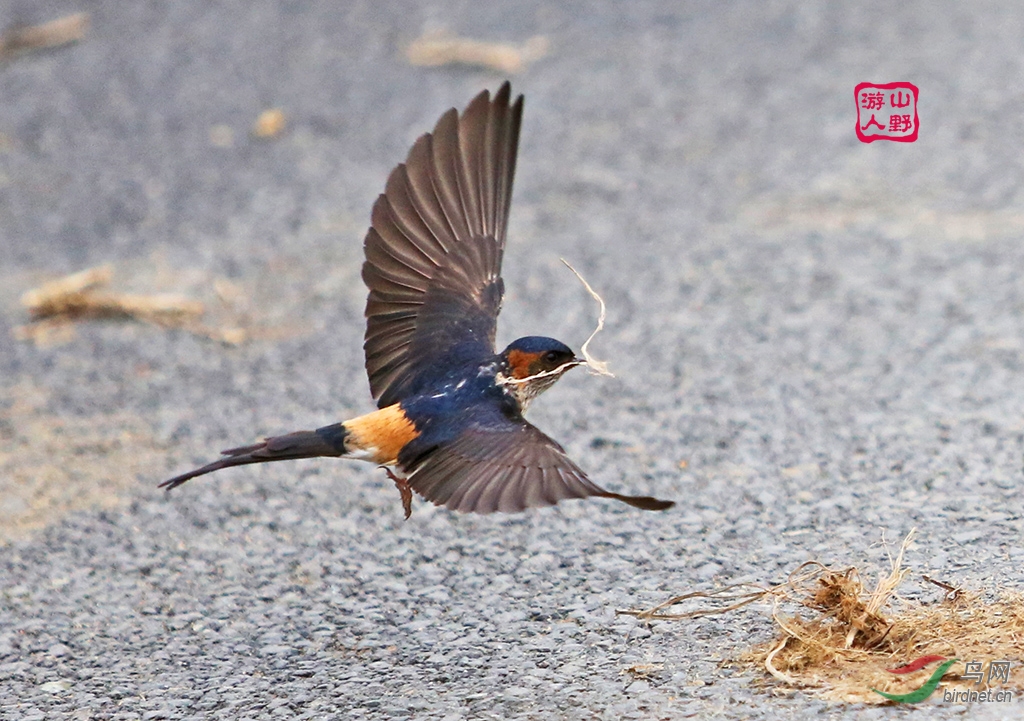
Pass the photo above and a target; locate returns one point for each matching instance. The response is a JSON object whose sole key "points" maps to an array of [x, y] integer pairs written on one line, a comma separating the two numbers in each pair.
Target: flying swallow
{"points": [[450, 409]]}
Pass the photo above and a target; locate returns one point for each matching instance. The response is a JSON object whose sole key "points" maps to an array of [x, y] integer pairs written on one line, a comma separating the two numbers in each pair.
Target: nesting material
{"points": [[52, 34], [597, 367], [838, 641], [436, 49], [53, 306]]}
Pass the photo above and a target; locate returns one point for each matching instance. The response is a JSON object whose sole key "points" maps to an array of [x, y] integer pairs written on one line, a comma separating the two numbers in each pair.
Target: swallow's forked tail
{"points": [[327, 441]]}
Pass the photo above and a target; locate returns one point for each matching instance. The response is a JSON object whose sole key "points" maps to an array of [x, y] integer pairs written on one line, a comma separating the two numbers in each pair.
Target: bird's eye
{"points": [[551, 356]]}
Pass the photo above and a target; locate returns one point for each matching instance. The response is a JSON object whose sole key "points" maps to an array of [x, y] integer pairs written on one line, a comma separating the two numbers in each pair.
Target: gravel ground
{"points": [[817, 343]]}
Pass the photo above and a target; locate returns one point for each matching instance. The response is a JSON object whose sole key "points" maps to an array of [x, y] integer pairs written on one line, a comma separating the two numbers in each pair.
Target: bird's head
{"points": [[533, 364]]}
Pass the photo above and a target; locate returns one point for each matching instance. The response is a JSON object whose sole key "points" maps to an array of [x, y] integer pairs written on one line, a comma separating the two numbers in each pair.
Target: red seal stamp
{"points": [[886, 112]]}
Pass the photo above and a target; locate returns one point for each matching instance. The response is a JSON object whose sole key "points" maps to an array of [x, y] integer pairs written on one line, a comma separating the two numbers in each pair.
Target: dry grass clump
{"points": [[839, 640]]}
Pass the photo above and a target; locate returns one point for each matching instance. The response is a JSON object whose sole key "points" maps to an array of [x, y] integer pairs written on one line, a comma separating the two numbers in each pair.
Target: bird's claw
{"points": [[404, 488]]}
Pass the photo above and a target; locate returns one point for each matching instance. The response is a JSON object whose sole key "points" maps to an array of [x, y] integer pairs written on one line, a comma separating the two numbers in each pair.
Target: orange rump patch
{"points": [[381, 434]]}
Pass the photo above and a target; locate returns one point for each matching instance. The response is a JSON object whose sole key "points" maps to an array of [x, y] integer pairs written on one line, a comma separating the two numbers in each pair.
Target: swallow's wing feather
{"points": [[434, 249], [508, 466]]}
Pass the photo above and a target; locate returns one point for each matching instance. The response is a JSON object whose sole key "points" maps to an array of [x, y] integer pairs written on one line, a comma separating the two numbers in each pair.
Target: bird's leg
{"points": [[402, 484]]}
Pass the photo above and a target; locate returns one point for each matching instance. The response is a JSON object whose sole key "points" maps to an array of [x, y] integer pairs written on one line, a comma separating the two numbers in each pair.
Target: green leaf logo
{"points": [[920, 694]]}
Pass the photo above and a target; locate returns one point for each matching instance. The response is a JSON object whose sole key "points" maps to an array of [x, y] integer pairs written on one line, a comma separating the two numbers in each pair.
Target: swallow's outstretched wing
{"points": [[433, 252], [505, 465]]}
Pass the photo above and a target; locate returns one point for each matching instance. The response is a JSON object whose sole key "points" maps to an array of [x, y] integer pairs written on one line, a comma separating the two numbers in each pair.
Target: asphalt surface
{"points": [[817, 342]]}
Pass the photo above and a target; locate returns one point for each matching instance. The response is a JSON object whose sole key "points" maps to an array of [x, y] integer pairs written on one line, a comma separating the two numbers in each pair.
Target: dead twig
{"points": [[435, 49], [725, 594], [731, 595], [52, 34], [952, 592], [54, 305]]}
